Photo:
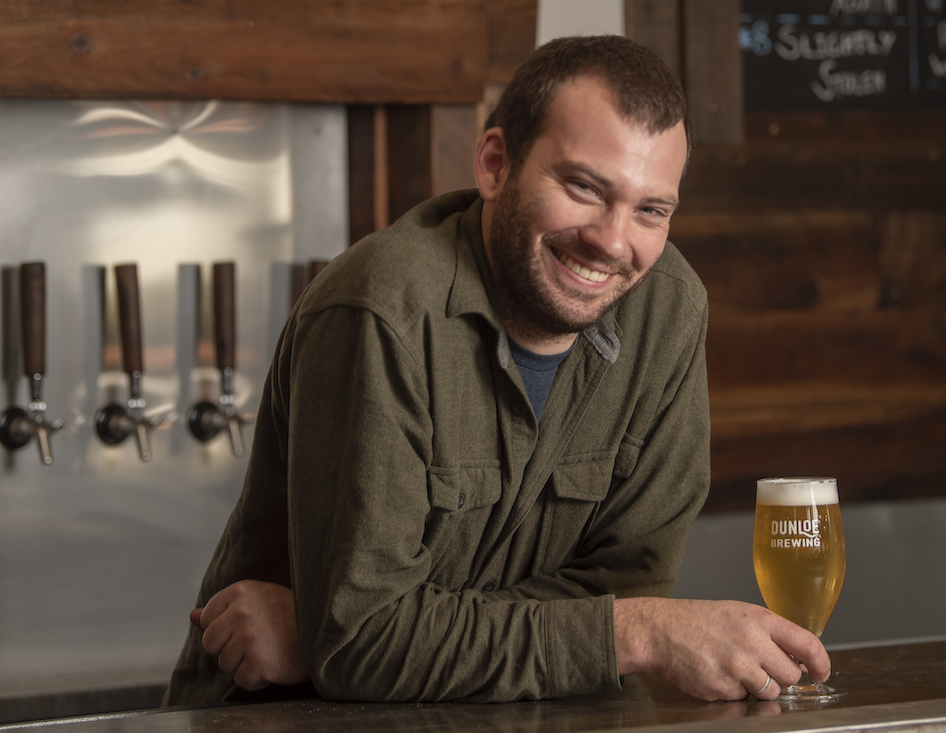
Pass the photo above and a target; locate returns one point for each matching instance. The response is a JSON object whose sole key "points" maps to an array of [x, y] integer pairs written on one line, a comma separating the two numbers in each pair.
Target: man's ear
{"points": [[491, 163]]}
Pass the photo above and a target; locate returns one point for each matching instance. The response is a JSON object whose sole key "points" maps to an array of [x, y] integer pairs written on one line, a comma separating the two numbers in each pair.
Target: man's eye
{"points": [[583, 187], [658, 213]]}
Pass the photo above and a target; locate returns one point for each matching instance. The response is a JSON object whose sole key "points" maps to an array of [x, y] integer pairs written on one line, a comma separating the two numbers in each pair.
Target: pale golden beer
{"points": [[798, 549]]}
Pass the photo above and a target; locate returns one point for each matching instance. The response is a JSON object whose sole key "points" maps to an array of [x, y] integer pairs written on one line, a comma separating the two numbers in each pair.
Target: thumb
{"points": [[195, 617]]}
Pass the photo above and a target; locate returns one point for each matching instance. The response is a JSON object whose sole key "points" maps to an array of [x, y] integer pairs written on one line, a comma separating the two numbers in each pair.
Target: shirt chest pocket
{"points": [[462, 499], [589, 477], [579, 485]]}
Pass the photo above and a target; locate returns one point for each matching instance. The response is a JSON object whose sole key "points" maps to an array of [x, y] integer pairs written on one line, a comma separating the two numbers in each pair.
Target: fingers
{"points": [[803, 646]]}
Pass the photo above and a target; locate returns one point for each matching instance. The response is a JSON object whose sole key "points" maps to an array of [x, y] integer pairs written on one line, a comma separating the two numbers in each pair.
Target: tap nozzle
{"points": [[206, 420], [18, 427], [114, 422]]}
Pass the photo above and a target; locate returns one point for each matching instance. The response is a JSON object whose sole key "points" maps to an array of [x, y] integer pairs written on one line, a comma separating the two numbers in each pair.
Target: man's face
{"points": [[584, 218]]}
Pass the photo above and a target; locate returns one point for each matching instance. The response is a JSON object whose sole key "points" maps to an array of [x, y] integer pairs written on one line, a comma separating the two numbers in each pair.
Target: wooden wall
{"points": [[822, 242], [821, 237]]}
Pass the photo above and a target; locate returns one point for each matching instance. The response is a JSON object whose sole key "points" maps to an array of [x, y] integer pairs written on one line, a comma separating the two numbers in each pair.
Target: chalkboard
{"points": [[844, 54]]}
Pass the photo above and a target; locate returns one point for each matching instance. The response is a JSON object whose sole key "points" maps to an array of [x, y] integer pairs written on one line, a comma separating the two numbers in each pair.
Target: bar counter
{"points": [[894, 687]]}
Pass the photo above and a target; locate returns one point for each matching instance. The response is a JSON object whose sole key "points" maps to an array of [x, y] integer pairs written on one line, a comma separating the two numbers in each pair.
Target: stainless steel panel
{"points": [[101, 553]]}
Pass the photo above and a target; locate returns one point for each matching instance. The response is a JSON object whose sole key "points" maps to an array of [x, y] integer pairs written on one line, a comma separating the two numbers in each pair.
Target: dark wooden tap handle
{"points": [[129, 316], [224, 274], [33, 304]]}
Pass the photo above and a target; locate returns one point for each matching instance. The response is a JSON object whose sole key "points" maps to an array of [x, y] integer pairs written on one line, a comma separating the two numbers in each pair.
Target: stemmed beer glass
{"points": [[799, 559]]}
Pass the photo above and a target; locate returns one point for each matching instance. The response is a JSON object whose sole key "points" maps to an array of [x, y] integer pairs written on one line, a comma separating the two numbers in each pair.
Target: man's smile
{"points": [[595, 276]]}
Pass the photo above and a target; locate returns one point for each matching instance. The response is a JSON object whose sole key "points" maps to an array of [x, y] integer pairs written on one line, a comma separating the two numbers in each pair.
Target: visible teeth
{"points": [[593, 275]]}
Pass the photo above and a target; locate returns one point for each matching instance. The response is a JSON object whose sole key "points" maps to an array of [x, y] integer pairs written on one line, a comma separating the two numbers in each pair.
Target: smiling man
{"points": [[485, 435]]}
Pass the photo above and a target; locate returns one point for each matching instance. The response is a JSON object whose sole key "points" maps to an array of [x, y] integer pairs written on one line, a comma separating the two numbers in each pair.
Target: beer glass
{"points": [[798, 554]]}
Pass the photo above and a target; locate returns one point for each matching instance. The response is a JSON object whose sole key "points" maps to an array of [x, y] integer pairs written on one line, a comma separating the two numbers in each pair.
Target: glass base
{"points": [[807, 690]]}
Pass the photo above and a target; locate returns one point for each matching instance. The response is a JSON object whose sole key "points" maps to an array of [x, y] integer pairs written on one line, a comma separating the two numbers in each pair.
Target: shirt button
{"points": [[461, 500], [490, 585], [519, 408]]}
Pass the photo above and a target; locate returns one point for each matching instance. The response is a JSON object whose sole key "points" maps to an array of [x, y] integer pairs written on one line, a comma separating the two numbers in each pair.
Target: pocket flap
{"points": [[460, 488], [587, 478]]}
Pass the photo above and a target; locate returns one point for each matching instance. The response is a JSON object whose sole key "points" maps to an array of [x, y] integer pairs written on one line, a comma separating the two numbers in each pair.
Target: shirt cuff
{"points": [[579, 644]]}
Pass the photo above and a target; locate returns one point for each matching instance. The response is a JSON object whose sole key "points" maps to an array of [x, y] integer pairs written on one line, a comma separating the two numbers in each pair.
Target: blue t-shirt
{"points": [[538, 372]]}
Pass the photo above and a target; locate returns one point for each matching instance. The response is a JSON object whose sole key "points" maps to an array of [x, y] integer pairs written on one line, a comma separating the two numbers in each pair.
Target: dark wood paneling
{"points": [[889, 460], [827, 343], [357, 51]]}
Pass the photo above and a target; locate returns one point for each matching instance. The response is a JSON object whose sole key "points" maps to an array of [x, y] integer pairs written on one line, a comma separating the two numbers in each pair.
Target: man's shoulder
{"points": [[403, 270], [673, 271]]}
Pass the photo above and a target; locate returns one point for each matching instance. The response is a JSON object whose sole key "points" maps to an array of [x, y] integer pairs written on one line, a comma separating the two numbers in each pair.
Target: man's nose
{"points": [[608, 233]]}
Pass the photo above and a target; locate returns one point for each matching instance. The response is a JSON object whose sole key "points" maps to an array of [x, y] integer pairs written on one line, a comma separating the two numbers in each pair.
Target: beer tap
{"points": [[206, 419], [17, 426], [115, 422]]}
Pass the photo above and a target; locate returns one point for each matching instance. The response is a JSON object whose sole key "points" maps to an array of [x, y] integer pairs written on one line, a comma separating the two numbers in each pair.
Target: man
{"points": [[485, 435]]}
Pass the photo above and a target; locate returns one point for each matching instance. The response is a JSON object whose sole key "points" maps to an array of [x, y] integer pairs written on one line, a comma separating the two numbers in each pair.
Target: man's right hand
{"points": [[250, 627], [714, 650]]}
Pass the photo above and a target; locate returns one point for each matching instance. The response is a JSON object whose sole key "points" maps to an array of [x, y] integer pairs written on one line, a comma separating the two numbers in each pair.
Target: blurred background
{"points": [[176, 136]]}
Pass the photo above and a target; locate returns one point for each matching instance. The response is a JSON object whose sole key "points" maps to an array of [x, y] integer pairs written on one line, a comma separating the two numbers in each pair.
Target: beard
{"points": [[524, 293]]}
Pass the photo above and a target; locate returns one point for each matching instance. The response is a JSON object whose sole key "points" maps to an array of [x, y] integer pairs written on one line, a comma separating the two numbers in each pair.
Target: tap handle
{"points": [[33, 304], [224, 278], [129, 315]]}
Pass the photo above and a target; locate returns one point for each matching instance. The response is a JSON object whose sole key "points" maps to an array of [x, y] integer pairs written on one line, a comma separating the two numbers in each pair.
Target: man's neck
{"points": [[544, 344]]}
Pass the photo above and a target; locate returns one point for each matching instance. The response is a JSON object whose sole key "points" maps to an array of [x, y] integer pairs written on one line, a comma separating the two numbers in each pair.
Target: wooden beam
{"points": [[454, 132], [713, 70], [357, 51], [656, 24], [409, 157]]}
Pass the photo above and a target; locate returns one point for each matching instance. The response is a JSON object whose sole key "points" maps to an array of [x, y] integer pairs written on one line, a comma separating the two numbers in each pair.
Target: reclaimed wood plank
{"points": [[792, 348], [825, 260], [357, 51], [893, 460], [908, 172]]}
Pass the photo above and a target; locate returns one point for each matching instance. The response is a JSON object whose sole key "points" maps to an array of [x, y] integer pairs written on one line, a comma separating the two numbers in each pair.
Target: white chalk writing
{"points": [[848, 83], [863, 7], [833, 45]]}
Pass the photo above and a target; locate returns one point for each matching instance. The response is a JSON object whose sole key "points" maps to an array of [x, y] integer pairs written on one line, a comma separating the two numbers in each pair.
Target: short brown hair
{"points": [[644, 88]]}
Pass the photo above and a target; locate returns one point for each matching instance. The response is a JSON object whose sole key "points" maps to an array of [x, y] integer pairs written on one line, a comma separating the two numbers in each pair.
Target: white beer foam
{"points": [[797, 491]]}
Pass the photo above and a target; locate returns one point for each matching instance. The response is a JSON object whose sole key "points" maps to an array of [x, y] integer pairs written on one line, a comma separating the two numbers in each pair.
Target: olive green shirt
{"points": [[442, 545]]}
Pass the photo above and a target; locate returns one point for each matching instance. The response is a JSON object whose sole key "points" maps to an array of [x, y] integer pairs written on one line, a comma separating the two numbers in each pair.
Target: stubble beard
{"points": [[524, 297]]}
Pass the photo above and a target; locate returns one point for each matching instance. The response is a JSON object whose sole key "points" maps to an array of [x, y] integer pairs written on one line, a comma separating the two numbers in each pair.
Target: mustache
{"points": [[572, 245]]}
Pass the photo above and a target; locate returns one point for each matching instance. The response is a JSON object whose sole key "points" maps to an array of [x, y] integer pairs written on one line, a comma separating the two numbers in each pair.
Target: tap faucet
{"points": [[205, 419], [19, 426], [115, 422]]}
